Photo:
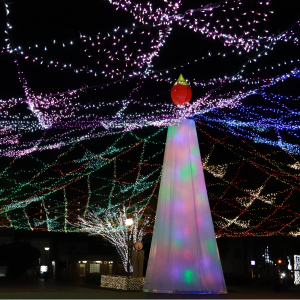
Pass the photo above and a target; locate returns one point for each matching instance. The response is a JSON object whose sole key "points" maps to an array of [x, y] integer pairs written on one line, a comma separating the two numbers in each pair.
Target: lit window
{"points": [[94, 268], [44, 268], [82, 270]]}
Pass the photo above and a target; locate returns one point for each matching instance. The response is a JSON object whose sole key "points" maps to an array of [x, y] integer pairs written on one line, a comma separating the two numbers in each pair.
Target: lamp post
{"points": [[128, 223], [47, 263]]}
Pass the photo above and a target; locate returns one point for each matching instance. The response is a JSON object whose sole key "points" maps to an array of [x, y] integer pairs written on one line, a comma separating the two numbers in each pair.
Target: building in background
{"points": [[71, 257]]}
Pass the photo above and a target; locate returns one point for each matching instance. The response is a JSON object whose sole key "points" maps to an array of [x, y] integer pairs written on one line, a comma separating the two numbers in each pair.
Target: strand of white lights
{"points": [[273, 39], [41, 106], [138, 10], [145, 15], [151, 43], [216, 170], [7, 31], [139, 61], [256, 194], [225, 223], [114, 124], [295, 166], [233, 78], [204, 83], [10, 44], [112, 226], [143, 59], [235, 40], [45, 108], [44, 46], [297, 269]]}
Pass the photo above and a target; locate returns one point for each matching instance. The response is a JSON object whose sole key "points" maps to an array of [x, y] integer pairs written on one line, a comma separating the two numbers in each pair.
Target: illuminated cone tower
{"points": [[184, 257]]}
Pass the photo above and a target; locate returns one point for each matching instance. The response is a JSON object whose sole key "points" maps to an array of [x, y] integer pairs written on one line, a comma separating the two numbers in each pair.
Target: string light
{"points": [[122, 282], [157, 115], [54, 194], [111, 224], [62, 119], [297, 269], [66, 111], [59, 206]]}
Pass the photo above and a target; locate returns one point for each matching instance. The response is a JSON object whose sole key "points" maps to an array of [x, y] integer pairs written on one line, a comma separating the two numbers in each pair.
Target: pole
{"points": [[131, 246], [128, 223], [128, 249]]}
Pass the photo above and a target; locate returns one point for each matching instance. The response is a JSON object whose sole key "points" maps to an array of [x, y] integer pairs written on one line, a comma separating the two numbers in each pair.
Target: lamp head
{"points": [[129, 222]]}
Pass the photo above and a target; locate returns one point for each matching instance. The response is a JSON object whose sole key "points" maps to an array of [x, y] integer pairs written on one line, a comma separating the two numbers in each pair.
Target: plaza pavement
{"points": [[38, 289]]}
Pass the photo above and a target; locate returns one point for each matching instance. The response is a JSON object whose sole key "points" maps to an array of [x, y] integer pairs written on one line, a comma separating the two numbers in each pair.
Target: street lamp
{"points": [[128, 223], [47, 262]]}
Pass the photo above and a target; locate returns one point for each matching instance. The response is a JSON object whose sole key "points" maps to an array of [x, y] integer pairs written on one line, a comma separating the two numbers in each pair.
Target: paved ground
{"points": [[37, 289]]}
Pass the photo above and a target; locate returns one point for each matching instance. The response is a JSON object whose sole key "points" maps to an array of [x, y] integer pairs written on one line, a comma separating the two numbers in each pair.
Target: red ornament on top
{"points": [[181, 92]]}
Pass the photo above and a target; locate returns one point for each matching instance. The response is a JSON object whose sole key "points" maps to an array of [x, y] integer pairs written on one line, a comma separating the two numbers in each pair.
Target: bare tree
{"points": [[111, 225]]}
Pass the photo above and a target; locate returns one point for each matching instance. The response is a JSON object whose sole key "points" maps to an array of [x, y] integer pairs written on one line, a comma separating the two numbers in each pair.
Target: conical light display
{"points": [[184, 257]]}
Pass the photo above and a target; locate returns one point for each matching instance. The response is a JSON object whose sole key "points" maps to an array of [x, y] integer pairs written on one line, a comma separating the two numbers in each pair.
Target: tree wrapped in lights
{"points": [[112, 226]]}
